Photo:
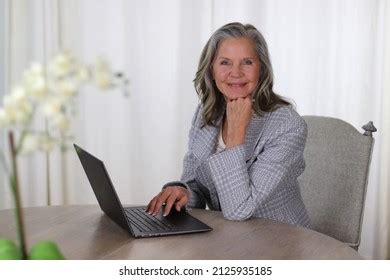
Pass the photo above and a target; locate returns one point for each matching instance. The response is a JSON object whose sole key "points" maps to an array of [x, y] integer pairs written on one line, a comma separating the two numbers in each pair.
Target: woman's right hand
{"points": [[238, 116], [168, 196]]}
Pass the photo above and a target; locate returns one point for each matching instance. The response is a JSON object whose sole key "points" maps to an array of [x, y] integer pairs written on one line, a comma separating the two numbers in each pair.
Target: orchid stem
{"points": [[64, 173], [21, 139], [5, 165], [16, 193], [47, 160]]}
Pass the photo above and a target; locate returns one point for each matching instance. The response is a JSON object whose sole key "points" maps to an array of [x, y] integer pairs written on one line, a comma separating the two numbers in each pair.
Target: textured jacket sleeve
{"points": [[241, 189], [196, 199]]}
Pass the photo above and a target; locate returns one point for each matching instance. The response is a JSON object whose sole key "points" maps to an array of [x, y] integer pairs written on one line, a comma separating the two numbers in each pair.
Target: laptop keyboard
{"points": [[145, 222]]}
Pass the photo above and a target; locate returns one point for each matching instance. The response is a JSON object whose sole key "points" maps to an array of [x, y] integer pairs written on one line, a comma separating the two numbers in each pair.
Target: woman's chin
{"points": [[236, 96]]}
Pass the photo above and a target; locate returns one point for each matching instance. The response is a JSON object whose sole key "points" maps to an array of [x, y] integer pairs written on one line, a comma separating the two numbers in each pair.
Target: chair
{"points": [[334, 182]]}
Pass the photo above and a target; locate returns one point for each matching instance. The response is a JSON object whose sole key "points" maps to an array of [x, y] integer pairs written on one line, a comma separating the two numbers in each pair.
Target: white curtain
{"points": [[331, 57]]}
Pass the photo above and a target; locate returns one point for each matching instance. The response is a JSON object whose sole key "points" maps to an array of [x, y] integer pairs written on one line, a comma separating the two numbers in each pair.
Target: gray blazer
{"points": [[256, 179]]}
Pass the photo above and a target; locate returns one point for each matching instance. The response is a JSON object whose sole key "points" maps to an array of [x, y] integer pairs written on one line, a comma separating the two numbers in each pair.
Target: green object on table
{"points": [[45, 250], [9, 250]]}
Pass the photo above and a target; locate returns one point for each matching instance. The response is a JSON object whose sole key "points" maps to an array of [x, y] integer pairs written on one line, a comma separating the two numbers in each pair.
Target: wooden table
{"points": [[84, 232]]}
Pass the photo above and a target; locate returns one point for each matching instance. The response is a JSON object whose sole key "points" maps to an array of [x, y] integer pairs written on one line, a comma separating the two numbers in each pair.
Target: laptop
{"points": [[134, 219]]}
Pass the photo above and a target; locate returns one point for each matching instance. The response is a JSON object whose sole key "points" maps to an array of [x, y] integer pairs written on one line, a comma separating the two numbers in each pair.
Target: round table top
{"points": [[85, 232]]}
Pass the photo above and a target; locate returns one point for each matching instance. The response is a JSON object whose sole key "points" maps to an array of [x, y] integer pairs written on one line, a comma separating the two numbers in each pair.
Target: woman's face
{"points": [[236, 68]]}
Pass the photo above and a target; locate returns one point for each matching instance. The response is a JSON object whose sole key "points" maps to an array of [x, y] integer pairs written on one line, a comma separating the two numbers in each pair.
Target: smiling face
{"points": [[236, 68]]}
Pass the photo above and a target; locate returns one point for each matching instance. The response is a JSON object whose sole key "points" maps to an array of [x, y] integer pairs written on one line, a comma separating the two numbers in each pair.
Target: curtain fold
{"points": [[4, 26], [383, 217], [331, 57]]}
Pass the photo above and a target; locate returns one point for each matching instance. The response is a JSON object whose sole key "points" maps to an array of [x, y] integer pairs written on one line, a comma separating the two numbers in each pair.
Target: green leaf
{"points": [[45, 250], [9, 250]]}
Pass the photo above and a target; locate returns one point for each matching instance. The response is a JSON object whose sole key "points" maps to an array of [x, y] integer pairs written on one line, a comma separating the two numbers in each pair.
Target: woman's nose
{"points": [[236, 71]]}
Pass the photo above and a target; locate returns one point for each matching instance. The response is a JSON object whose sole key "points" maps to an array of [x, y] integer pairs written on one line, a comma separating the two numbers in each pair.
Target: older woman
{"points": [[246, 142]]}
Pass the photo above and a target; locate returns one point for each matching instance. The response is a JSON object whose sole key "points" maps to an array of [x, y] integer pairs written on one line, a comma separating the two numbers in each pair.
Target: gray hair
{"points": [[265, 99]]}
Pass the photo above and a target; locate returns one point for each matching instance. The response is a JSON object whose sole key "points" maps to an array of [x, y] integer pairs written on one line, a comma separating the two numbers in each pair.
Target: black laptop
{"points": [[134, 219]]}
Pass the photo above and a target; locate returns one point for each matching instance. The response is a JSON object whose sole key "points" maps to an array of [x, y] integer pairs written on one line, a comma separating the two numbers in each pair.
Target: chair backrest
{"points": [[334, 182]]}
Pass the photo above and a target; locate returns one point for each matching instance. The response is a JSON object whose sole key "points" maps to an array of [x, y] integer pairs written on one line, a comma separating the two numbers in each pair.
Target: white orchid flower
{"points": [[4, 119], [103, 80], [103, 74], [17, 96], [30, 143], [52, 106], [22, 113], [36, 86], [82, 74], [17, 107], [34, 81], [67, 88], [61, 122], [46, 143], [49, 91], [62, 65]]}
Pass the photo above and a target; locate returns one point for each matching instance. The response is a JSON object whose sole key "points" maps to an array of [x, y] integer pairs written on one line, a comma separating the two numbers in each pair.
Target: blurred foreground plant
{"points": [[46, 94]]}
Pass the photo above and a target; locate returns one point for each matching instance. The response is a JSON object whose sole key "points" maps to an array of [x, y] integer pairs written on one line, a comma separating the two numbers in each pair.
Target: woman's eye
{"points": [[248, 62], [224, 62]]}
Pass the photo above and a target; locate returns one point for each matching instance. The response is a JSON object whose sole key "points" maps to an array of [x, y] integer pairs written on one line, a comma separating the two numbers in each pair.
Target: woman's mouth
{"points": [[236, 85]]}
